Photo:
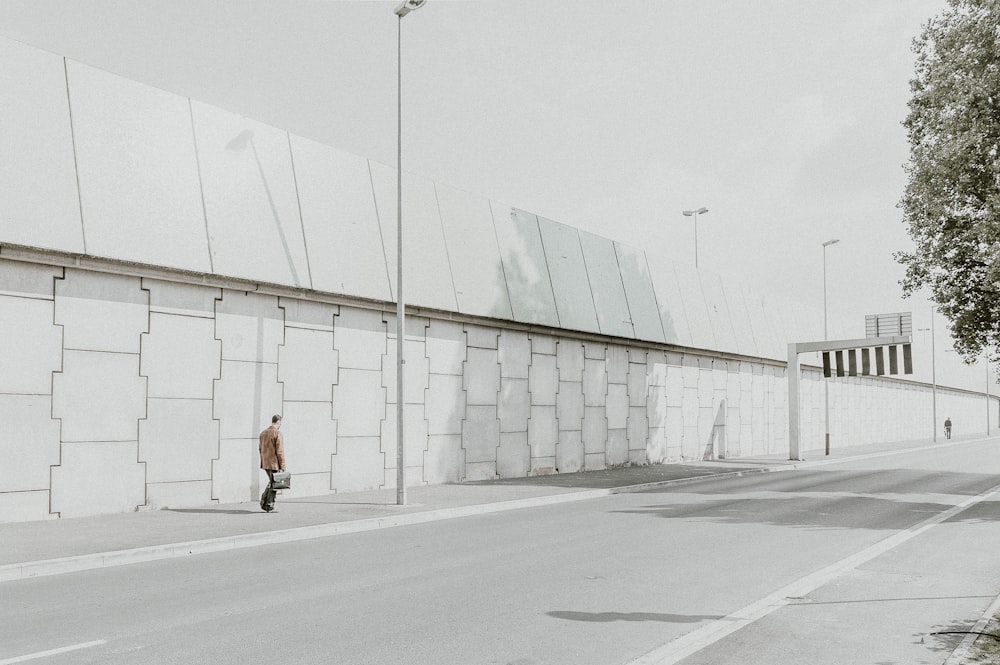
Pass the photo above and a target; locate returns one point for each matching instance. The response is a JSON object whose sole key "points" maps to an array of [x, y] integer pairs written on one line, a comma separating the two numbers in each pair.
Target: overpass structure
{"points": [[172, 273]]}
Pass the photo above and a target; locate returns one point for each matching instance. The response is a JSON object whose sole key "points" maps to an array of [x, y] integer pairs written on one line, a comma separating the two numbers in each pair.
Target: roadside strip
{"points": [[45, 567]]}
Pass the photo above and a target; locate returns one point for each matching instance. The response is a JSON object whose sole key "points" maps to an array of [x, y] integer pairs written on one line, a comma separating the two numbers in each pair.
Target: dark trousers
{"points": [[267, 498]]}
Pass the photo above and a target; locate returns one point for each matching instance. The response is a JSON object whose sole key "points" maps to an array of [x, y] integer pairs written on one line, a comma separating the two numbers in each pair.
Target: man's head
{"points": [[276, 420]]}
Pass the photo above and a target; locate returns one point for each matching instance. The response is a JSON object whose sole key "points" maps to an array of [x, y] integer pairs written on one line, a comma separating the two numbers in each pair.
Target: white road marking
{"points": [[679, 649], [51, 652]]}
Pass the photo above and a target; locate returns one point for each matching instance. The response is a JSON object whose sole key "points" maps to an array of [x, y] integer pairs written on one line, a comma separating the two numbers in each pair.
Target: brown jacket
{"points": [[272, 449]]}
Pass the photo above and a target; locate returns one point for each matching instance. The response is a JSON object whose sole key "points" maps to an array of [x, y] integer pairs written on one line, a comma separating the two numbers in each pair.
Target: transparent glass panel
{"points": [[39, 205], [606, 285], [138, 173], [480, 286], [570, 284], [639, 292], [718, 311], [250, 201], [676, 329], [341, 227], [524, 266], [695, 307], [426, 270]]}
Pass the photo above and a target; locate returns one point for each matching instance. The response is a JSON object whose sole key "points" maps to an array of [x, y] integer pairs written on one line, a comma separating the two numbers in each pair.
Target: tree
{"points": [[952, 200]]}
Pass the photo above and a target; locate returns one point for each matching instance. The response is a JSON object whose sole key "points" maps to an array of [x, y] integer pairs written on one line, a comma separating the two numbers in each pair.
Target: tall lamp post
{"points": [[402, 10], [933, 377], [826, 387], [695, 213]]}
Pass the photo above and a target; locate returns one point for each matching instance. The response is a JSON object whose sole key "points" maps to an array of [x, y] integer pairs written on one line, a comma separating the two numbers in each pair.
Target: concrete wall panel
{"points": [[359, 464], [310, 436], [543, 380], [180, 356], [514, 353], [183, 299], [480, 286], [246, 396], [307, 365], [569, 452], [99, 396], [568, 271], [524, 265], [607, 286], [359, 403], [178, 440], [444, 460], [513, 455], [426, 268], [638, 283], [673, 318], [122, 487], [341, 225], [359, 335], [445, 406], [236, 473], [251, 326], [482, 377], [515, 405], [182, 494], [481, 434], [445, 347], [31, 348], [101, 312], [250, 198], [138, 171], [40, 206], [30, 442]]}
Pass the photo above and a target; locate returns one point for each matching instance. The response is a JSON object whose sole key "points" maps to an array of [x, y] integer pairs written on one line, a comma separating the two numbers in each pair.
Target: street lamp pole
{"points": [[402, 10], [689, 213], [826, 387]]}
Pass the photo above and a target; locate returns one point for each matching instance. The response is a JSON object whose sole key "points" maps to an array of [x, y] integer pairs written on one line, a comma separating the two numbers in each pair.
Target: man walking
{"points": [[272, 458]]}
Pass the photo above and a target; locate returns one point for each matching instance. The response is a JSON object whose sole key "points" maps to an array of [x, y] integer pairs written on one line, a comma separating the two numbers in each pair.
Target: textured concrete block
{"points": [[306, 484], [656, 406], [481, 434], [595, 382], [30, 442], [569, 406], [543, 344], [637, 384], [182, 299], [99, 396], [122, 487], [251, 326], [246, 397], [514, 353], [310, 436], [656, 370], [236, 473], [617, 364], [638, 457], [359, 464], [180, 356], [101, 312], [569, 357], [359, 403], [361, 338], [543, 466], [515, 405], [617, 406], [482, 377], [638, 428], [416, 376], [595, 351], [675, 433], [445, 405], [543, 380], [617, 451], [31, 348], [444, 460], [543, 431], [28, 280], [656, 449], [178, 494], [178, 440], [674, 382], [414, 439], [307, 365], [481, 471], [24, 506], [445, 347], [514, 455], [595, 430], [569, 452], [594, 462], [482, 337], [308, 314]]}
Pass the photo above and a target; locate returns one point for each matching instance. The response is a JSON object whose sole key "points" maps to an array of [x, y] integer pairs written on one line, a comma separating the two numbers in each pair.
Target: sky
{"points": [[782, 117]]}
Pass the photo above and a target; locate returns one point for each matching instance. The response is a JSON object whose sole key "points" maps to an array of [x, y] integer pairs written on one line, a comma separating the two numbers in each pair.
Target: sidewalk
{"points": [[62, 545]]}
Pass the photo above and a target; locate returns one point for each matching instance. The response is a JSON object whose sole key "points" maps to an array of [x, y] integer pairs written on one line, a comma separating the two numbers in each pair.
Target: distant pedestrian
{"points": [[272, 458], [947, 427]]}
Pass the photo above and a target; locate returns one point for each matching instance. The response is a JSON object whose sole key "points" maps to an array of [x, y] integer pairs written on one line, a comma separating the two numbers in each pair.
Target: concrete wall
{"points": [[123, 392]]}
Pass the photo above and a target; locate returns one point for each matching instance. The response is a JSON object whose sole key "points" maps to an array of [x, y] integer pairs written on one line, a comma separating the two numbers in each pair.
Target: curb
{"points": [[961, 652], [71, 564]]}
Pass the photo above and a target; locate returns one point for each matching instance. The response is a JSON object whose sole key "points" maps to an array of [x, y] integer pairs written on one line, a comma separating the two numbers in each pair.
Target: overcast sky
{"points": [[781, 116]]}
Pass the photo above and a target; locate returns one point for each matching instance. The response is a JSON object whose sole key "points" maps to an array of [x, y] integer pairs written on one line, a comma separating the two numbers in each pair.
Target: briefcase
{"points": [[282, 480]]}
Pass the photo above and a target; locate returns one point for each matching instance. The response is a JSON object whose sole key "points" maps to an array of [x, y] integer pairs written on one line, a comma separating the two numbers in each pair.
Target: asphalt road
{"points": [[847, 563]]}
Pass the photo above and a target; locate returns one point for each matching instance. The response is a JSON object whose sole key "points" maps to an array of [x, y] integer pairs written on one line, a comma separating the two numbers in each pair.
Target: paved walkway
{"points": [[49, 547]]}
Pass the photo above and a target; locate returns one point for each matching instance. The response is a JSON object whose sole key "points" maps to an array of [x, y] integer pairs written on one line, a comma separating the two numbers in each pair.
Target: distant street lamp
{"points": [[933, 376], [695, 213], [826, 388], [402, 10]]}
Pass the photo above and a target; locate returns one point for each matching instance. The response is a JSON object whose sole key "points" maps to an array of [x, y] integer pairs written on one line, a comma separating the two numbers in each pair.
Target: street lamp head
{"points": [[831, 242], [408, 6], [699, 211]]}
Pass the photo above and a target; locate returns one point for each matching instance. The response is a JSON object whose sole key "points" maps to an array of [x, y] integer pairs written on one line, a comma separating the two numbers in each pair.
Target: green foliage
{"points": [[952, 200]]}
